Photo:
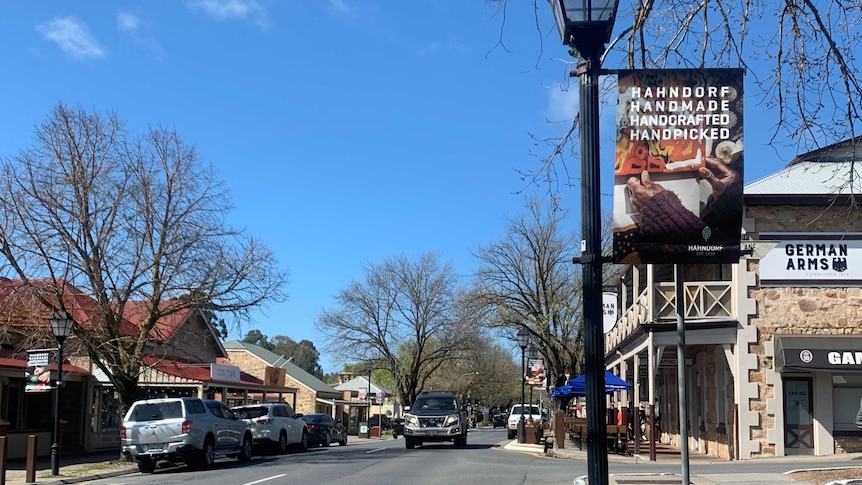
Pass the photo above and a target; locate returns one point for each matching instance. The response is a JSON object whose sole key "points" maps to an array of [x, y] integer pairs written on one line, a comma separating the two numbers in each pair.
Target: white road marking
{"points": [[374, 451], [265, 479]]}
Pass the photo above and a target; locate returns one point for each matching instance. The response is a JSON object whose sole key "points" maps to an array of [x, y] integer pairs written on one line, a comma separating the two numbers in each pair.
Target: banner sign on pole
{"points": [[678, 169], [37, 375], [536, 372]]}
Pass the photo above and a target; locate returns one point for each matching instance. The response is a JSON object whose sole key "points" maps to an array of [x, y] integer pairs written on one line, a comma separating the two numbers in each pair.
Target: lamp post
{"points": [[532, 354], [369, 366], [523, 341], [61, 326], [585, 26]]}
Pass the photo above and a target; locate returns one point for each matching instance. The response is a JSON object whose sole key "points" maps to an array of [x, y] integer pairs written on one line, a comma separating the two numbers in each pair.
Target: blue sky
{"points": [[348, 131]]}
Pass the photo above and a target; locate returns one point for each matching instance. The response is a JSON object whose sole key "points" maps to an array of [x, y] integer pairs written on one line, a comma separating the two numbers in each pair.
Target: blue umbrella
{"points": [[612, 384], [563, 392]]}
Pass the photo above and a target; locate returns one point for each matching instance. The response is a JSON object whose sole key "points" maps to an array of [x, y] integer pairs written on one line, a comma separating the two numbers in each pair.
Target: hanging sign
{"points": [[37, 374], [678, 166]]}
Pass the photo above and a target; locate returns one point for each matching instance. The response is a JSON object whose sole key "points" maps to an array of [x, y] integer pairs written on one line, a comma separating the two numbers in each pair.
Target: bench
{"points": [[617, 435]]}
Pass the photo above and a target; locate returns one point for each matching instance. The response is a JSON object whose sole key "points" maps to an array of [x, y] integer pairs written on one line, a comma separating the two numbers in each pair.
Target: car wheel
{"points": [[282, 442], [408, 442], [343, 441], [303, 443], [511, 434], [245, 452], [207, 453], [327, 441], [146, 465]]}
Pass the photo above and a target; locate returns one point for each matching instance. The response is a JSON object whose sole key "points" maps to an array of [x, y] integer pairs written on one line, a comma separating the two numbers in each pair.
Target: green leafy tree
{"points": [[256, 337]]}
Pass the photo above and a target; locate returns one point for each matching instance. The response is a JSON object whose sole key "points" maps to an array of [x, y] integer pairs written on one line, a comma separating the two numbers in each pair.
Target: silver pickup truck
{"points": [[186, 429]]}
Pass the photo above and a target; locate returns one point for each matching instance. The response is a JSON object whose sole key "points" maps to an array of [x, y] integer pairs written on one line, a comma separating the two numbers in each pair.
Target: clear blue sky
{"points": [[348, 131]]}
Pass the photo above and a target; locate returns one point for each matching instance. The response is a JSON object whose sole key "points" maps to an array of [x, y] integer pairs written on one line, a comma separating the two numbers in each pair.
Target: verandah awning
{"points": [[812, 353]]}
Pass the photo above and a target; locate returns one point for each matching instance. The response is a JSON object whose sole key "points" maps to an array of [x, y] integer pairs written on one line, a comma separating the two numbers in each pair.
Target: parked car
{"points": [[187, 429], [499, 420], [531, 412], [323, 429], [274, 425], [380, 420], [397, 427]]}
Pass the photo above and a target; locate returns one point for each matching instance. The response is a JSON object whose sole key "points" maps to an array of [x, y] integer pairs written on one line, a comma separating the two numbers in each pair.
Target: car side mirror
{"points": [[235, 416]]}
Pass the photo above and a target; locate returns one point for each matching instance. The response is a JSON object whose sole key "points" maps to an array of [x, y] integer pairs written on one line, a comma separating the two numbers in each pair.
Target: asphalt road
{"points": [[483, 462]]}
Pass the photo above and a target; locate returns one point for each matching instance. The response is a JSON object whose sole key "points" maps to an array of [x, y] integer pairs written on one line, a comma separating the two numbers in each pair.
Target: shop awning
{"points": [[813, 353]]}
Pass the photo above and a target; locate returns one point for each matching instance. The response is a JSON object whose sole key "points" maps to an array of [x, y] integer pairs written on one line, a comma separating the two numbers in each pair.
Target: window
{"points": [[846, 394], [195, 407], [157, 411], [110, 410]]}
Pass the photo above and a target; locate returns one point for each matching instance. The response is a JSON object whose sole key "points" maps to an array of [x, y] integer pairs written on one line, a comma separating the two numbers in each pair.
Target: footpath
{"points": [[94, 466], [668, 455]]}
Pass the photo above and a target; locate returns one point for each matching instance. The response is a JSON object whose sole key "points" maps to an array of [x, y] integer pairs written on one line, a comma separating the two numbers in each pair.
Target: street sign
{"points": [[379, 397]]}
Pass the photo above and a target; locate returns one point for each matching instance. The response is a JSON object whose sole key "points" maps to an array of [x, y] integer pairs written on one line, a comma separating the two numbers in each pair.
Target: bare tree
{"points": [[125, 219], [799, 53], [404, 316], [527, 280]]}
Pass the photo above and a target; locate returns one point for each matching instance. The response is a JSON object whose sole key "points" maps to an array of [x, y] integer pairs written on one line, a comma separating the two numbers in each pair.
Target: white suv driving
{"points": [[530, 411], [275, 425]]}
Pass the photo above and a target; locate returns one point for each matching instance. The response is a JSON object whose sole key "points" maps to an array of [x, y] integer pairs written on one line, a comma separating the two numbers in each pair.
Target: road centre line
{"points": [[375, 450], [265, 479]]}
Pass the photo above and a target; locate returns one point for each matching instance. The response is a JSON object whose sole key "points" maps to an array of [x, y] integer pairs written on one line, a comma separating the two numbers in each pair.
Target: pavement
{"points": [[666, 455], [106, 464]]}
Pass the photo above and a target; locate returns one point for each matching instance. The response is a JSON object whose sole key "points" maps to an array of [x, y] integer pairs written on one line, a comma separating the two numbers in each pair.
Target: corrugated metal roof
{"points": [[275, 360], [810, 178], [829, 171]]}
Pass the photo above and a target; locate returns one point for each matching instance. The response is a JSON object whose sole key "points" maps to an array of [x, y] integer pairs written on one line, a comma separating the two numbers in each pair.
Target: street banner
{"points": [[678, 168], [37, 374], [536, 372]]}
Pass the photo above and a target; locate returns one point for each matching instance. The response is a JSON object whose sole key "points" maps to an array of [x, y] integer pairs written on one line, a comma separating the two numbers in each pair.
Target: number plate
{"points": [[432, 433]]}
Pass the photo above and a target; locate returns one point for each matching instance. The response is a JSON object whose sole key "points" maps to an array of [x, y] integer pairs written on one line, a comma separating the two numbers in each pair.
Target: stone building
{"points": [[312, 396], [773, 354]]}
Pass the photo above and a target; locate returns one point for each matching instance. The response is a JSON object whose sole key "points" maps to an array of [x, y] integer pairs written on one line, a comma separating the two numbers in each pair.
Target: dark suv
{"points": [[435, 417]]}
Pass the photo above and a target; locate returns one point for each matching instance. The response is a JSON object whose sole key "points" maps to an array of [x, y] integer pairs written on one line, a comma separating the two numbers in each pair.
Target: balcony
{"points": [[705, 301]]}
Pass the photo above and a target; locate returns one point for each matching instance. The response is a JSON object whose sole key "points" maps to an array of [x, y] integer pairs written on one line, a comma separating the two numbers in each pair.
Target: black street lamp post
{"points": [[369, 366], [61, 325], [523, 342], [585, 26], [532, 353]]}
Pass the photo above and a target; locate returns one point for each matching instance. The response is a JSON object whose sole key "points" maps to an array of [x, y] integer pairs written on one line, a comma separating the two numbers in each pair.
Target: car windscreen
{"points": [[156, 411], [435, 404], [250, 413]]}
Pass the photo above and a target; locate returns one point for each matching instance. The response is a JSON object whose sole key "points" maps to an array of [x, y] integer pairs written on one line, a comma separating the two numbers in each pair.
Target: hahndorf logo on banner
{"points": [[678, 170]]}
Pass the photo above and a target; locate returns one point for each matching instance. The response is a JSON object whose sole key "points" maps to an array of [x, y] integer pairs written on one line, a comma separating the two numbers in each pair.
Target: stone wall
{"points": [[799, 310], [306, 402]]}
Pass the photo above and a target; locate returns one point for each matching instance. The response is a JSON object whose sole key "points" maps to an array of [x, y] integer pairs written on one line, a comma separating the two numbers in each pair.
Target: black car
{"points": [[499, 420], [397, 427], [323, 429]]}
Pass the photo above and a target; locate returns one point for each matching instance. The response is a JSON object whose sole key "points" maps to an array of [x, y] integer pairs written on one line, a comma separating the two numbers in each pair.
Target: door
{"points": [[798, 421]]}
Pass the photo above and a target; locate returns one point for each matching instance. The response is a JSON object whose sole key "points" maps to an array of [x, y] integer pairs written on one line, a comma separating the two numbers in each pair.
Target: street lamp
{"points": [[369, 366], [585, 26], [523, 341], [532, 354], [61, 325]]}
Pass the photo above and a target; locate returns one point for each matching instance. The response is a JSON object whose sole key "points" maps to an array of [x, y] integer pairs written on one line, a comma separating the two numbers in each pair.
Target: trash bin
{"points": [[363, 430], [375, 431]]}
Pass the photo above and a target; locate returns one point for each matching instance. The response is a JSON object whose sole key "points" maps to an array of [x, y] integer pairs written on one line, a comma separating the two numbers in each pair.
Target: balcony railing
{"points": [[704, 301]]}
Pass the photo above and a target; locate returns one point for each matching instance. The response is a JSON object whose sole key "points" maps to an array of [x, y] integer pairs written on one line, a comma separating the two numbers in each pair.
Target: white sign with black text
{"points": [[813, 260]]}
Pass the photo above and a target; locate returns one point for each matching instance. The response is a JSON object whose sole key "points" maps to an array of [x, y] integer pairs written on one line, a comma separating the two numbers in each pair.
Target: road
{"points": [[483, 462]]}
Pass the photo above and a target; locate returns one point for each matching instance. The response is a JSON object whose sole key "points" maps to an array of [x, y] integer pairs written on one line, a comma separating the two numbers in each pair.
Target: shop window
{"points": [[846, 393], [109, 415]]}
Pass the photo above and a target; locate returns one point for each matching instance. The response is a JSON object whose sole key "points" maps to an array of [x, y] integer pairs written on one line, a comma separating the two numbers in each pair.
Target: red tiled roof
{"points": [[137, 311]]}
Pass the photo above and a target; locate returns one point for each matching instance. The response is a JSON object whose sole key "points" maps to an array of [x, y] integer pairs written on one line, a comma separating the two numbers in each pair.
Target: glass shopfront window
{"points": [[846, 394]]}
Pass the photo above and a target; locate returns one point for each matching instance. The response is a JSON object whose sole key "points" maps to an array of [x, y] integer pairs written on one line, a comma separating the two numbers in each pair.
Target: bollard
{"points": [[3, 455], [31, 459]]}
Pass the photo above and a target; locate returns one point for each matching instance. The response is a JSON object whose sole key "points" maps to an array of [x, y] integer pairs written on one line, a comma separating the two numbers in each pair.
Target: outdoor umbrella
{"points": [[612, 384]]}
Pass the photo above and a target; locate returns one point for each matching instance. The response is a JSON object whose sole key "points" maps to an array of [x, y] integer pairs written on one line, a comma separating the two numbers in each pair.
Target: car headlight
{"points": [[451, 420], [411, 420]]}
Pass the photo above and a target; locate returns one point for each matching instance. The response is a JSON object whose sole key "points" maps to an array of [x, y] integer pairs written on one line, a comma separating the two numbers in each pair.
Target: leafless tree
{"points": [[527, 280], [122, 219], [800, 53], [404, 316]]}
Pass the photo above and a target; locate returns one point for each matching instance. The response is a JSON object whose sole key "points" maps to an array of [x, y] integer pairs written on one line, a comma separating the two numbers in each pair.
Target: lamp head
{"points": [[523, 338], [584, 22], [61, 325]]}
